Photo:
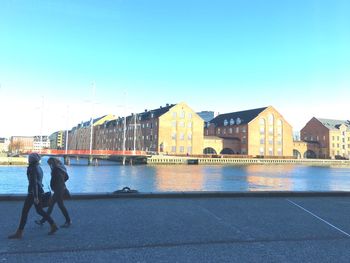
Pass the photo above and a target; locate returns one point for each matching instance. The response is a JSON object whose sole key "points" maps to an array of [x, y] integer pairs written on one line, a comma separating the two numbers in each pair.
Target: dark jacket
{"points": [[35, 177], [57, 181]]}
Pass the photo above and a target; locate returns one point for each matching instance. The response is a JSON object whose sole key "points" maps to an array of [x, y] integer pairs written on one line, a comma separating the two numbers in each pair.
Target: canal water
{"points": [[109, 176]]}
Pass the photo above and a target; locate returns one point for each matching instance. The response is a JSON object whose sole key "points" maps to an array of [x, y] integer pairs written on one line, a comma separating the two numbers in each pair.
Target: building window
{"points": [[173, 123], [182, 149], [181, 124], [225, 122], [182, 136], [173, 136], [238, 121], [182, 114], [232, 121], [279, 152], [262, 151], [173, 149], [189, 125], [237, 130], [224, 131], [230, 130], [174, 115], [189, 149], [189, 136], [270, 119], [189, 115], [270, 130], [270, 151], [262, 141], [218, 131], [244, 129]]}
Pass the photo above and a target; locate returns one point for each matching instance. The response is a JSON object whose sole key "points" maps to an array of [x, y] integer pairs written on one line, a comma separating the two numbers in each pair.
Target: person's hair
{"points": [[54, 161], [34, 158]]}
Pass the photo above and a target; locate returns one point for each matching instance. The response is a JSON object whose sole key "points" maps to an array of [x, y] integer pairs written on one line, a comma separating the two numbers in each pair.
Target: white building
{"points": [[4, 144]]}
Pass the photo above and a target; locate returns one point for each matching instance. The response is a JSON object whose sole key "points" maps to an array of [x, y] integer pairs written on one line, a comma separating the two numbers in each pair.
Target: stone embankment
{"points": [[13, 161], [164, 159]]}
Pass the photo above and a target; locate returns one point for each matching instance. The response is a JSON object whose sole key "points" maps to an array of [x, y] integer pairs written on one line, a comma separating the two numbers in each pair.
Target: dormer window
{"points": [[232, 122], [225, 122], [238, 121]]}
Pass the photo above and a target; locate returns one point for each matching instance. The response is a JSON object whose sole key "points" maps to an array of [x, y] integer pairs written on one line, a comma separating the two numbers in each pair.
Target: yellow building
{"points": [[173, 129], [255, 132]]}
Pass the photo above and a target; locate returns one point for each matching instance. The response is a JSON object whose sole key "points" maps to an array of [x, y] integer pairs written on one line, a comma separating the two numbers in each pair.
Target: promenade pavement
{"points": [[207, 229]]}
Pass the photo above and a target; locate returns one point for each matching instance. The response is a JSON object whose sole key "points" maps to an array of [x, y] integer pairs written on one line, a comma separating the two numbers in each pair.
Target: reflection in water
{"points": [[274, 177], [179, 178], [109, 176]]}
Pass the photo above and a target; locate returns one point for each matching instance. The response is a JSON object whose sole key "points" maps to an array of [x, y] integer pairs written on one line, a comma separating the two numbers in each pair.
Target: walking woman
{"points": [[35, 189], [58, 177]]}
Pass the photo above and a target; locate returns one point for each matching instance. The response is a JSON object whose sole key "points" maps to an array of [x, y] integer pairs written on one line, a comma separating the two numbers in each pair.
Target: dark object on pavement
{"points": [[125, 190]]}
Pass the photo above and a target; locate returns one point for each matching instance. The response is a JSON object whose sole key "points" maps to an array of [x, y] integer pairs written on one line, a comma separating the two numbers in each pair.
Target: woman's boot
{"points": [[53, 229], [17, 235]]}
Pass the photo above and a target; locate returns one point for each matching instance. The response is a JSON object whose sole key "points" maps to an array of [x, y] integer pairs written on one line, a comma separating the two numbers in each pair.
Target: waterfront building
{"points": [[79, 136], [173, 129], [331, 136], [255, 132], [58, 140], [4, 145], [41, 142], [19, 144]]}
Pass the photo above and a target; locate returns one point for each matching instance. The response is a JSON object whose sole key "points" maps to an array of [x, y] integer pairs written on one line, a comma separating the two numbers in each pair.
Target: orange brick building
{"points": [[255, 132], [331, 136]]}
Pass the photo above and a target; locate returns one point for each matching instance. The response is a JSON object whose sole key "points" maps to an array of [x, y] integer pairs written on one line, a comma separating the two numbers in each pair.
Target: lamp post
{"points": [[92, 120], [66, 144]]}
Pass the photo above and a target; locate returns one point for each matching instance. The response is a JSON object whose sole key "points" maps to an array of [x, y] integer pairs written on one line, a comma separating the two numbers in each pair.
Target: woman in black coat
{"points": [[59, 176], [35, 189]]}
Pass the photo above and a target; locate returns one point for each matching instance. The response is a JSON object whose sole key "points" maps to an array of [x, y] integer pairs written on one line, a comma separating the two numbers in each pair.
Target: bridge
{"points": [[93, 156]]}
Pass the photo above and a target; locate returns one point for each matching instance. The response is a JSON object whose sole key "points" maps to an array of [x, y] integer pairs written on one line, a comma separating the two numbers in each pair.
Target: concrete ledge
{"points": [[88, 196]]}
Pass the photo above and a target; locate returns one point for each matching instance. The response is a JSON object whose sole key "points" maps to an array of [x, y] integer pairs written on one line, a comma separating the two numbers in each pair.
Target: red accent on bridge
{"points": [[93, 152]]}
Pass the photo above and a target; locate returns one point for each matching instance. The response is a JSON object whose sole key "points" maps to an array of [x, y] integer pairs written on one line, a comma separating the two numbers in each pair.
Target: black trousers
{"points": [[25, 210], [57, 197]]}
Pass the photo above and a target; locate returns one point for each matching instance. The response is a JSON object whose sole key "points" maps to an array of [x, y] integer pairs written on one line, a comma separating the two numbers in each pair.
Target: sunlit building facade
{"points": [[255, 132], [173, 129], [331, 136]]}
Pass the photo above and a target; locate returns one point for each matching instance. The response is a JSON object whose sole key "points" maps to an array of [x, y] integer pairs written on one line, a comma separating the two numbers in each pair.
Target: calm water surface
{"points": [[108, 177]]}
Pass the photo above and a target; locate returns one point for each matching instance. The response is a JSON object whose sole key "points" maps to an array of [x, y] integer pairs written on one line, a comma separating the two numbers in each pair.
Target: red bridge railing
{"points": [[93, 152]]}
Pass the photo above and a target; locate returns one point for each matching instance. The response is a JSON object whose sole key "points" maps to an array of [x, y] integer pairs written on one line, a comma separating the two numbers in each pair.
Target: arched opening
{"points": [[296, 154], [309, 154], [227, 151], [209, 150]]}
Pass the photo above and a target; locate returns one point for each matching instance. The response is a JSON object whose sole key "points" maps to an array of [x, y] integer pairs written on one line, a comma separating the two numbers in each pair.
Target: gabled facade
{"points": [[173, 129], [255, 132], [332, 137], [79, 137]]}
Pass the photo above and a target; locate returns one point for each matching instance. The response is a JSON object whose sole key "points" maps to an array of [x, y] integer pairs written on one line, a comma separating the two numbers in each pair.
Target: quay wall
{"points": [[13, 161], [239, 161]]}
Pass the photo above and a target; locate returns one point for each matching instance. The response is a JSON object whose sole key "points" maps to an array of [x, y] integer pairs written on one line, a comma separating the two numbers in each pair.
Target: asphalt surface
{"points": [[225, 229]]}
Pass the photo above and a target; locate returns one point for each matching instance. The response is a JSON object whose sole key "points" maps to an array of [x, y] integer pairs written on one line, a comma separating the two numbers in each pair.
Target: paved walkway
{"points": [[263, 229]]}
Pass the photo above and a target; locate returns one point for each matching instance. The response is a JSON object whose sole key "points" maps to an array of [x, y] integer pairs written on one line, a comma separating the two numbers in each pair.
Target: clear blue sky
{"points": [[215, 55]]}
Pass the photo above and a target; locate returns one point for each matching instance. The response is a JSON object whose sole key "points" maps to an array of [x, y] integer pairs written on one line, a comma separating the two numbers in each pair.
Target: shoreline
{"points": [[190, 194]]}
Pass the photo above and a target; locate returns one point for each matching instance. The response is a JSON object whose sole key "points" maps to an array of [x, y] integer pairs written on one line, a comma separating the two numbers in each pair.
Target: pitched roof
{"points": [[156, 112], [334, 124], [244, 117], [146, 115]]}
